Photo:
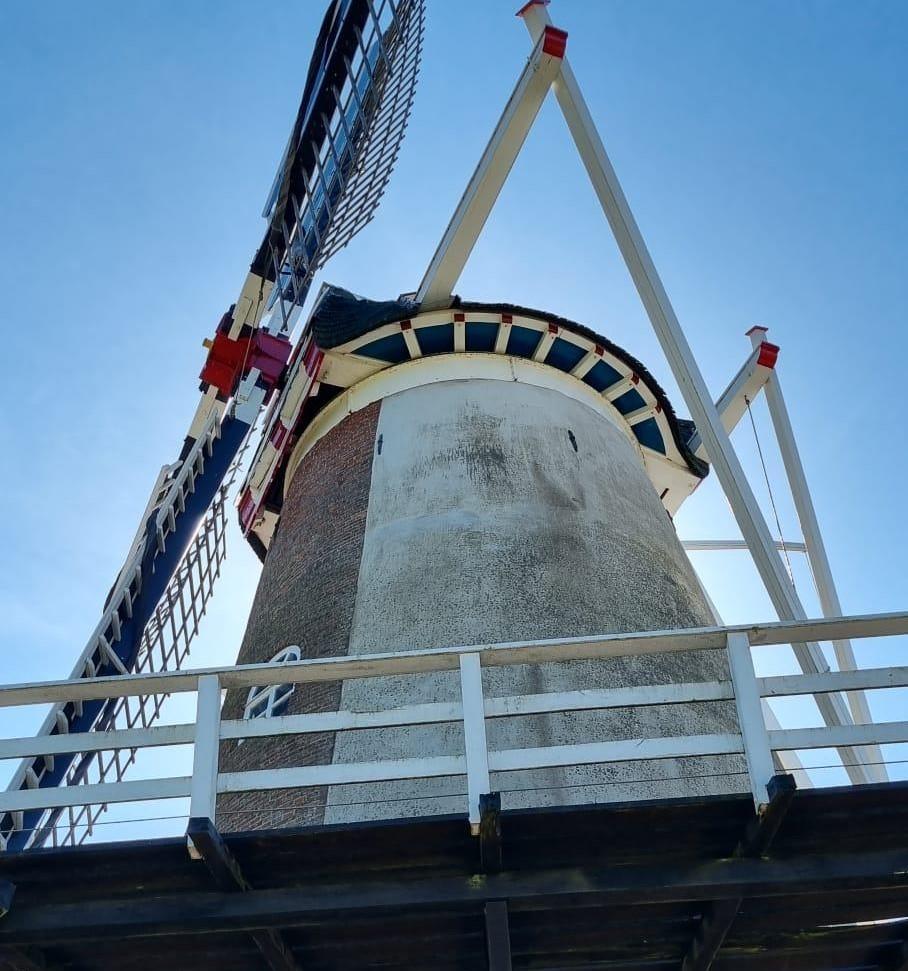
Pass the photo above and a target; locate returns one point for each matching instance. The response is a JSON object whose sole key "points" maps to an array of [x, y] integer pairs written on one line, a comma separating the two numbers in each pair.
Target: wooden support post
{"points": [[498, 936], [474, 736], [209, 846], [203, 791], [720, 914], [490, 832], [760, 766]]}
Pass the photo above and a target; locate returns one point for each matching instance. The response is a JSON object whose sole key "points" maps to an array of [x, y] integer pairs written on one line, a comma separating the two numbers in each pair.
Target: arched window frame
{"points": [[268, 700]]}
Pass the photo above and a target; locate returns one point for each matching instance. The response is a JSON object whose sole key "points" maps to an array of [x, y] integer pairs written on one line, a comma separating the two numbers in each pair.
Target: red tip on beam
{"points": [[554, 42], [768, 355], [532, 3]]}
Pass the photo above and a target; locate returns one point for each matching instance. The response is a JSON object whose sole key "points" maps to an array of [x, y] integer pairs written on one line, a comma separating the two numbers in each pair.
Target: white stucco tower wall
{"points": [[501, 511]]}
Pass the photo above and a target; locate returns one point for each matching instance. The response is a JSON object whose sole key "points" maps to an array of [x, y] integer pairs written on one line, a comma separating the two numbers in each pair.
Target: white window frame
{"points": [[264, 700]]}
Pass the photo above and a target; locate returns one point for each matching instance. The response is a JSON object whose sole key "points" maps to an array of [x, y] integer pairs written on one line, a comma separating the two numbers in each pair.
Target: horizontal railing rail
{"points": [[447, 658], [754, 740]]}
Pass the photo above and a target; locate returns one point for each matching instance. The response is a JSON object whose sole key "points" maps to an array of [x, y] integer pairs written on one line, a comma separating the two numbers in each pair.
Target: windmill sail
{"points": [[345, 140]]}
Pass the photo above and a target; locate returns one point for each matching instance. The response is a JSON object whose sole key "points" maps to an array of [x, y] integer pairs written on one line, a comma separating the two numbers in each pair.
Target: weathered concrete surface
{"points": [[500, 511]]}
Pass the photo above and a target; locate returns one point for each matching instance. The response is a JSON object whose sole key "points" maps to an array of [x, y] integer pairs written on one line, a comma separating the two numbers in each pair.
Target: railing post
{"points": [[203, 791], [757, 752], [474, 735]]}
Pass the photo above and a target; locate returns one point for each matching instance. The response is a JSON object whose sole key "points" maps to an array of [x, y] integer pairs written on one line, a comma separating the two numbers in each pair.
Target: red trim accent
{"points": [[754, 329], [312, 359], [229, 360], [507, 318], [247, 510], [532, 3], [554, 42], [459, 318], [225, 362], [600, 350], [278, 434], [768, 355], [406, 325], [635, 379], [269, 354], [658, 407]]}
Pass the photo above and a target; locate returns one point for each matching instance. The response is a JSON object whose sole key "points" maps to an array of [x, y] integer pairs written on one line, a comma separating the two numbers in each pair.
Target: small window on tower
{"points": [[266, 700]]}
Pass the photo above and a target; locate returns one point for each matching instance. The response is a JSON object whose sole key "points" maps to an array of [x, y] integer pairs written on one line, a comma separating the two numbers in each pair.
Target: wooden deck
{"points": [[623, 887]]}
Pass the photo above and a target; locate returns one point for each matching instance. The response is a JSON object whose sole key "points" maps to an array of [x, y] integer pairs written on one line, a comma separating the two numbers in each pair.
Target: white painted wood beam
{"points": [[808, 684], [474, 207], [887, 733], [448, 658]]}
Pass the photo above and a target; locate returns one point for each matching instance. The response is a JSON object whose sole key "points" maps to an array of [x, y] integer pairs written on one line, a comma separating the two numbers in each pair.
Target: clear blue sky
{"points": [[761, 145]]}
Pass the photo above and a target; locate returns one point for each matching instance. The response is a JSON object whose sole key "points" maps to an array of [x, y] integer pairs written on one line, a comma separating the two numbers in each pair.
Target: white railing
{"points": [[755, 740]]}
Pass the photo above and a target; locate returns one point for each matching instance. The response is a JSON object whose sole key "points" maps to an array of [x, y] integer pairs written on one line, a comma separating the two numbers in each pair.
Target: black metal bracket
{"points": [[719, 915], [490, 832], [223, 866]]}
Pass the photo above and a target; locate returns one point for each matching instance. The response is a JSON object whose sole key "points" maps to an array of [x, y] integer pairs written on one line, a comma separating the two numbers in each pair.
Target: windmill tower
{"points": [[474, 475], [483, 714]]}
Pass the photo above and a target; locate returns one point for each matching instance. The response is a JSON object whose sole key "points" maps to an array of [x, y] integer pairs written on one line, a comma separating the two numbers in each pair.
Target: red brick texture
{"points": [[305, 596]]}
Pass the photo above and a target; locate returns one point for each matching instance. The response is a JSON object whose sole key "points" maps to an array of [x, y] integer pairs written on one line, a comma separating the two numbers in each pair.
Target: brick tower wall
{"points": [[306, 597]]}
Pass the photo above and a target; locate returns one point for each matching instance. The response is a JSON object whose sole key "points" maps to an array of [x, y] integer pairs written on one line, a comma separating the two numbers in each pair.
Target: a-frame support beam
{"points": [[209, 845], [720, 914], [490, 175], [693, 388]]}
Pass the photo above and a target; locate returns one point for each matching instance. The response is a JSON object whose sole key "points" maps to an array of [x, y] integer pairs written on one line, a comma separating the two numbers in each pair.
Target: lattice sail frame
{"points": [[165, 646], [352, 168]]}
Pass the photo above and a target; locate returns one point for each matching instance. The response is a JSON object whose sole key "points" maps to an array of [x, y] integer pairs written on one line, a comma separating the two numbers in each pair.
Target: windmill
{"points": [[484, 713], [344, 142]]}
